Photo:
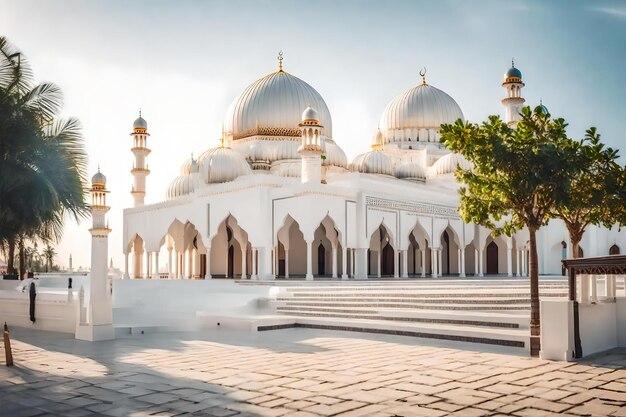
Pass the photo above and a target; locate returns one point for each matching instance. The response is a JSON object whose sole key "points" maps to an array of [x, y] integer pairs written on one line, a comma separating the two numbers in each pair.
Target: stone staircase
{"points": [[493, 312]]}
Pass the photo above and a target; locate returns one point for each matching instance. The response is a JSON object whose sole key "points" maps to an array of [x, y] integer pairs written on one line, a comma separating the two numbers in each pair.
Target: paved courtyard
{"points": [[296, 372]]}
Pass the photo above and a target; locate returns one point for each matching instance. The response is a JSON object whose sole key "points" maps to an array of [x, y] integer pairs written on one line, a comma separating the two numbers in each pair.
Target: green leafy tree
{"points": [[592, 192], [515, 181], [42, 158]]}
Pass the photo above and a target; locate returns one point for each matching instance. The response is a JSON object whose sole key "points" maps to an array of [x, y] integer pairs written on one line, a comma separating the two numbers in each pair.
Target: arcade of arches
{"points": [[231, 255]]}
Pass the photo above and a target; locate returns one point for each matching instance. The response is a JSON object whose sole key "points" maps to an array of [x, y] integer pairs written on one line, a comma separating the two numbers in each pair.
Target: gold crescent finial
{"points": [[280, 61], [423, 74]]}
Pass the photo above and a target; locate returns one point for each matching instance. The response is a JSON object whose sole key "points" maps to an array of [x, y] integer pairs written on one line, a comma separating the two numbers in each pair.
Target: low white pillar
{"points": [[517, 264], [480, 263], [360, 263], [584, 288], [405, 264], [189, 264], [380, 264], [156, 266], [423, 266], [476, 272], [126, 276], [594, 288], [309, 260]]}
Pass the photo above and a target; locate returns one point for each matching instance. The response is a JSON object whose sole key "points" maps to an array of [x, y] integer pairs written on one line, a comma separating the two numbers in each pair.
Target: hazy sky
{"points": [[183, 62]]}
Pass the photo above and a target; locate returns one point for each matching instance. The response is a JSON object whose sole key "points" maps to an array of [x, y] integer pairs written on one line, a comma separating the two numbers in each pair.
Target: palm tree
{"points": [[49, 253], [42, 158]]}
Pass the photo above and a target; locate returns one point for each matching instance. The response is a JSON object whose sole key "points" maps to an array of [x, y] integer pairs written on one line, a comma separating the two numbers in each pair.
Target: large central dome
{"points": [[272, 106]]}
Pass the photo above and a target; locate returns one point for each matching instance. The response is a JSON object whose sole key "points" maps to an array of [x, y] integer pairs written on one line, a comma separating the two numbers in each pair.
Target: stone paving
{"points": [[297, 372]]}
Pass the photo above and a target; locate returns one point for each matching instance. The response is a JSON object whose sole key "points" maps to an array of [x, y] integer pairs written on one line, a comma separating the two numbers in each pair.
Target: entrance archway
{"points": [[492, 258], [321, 260], [614, 250]]}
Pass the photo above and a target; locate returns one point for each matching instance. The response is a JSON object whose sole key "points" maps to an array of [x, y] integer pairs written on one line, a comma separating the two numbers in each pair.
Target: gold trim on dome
{"points": [[268, 131]]}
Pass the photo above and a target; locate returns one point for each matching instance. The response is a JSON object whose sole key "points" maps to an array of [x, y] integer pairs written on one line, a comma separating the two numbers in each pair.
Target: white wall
{"points": [[598, 327]]}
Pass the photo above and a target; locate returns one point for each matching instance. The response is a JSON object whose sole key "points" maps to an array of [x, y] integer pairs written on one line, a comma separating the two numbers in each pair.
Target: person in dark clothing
{"points": [[33, 295]]}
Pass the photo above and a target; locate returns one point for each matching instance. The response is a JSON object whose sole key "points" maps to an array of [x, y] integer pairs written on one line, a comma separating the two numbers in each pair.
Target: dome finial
{"points": [[139, 111], [98, 167], [423, 74], [513, 62], [280, 61]]}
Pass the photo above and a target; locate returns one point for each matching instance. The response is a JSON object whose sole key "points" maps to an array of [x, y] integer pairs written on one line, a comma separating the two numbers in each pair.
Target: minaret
{"points": [[312, 146], [140, 168], [98, 324], [71, 268], [514, 101]]}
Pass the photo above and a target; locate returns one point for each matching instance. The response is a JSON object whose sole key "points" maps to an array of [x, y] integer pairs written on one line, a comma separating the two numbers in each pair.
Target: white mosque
{"points": [[278, 198]]}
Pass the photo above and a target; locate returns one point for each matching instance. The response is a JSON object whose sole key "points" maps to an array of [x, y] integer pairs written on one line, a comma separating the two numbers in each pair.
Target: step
{"points": [[511, 338], [446, 307], [398, 303], [409, 295]]}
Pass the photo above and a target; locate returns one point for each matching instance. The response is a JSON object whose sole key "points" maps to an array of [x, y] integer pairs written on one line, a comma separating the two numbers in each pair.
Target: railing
{"points": [[585, 272]]}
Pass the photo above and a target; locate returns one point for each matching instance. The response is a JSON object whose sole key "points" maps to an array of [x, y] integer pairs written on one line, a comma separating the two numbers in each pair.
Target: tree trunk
{"points": [[575, 246], [535, 322], [22, 254], [11, 260]]}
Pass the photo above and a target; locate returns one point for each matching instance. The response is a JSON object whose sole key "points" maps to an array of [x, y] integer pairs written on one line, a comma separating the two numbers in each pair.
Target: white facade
{"points": [[278, 198]]}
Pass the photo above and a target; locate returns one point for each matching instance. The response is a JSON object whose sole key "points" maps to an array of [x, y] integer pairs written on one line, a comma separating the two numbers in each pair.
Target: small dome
{"points": [[411, 171], [98, 178], [183, 185], [544, 109], [335, 156], [140, 123], [512, 73], [189, 166], [309, 114], [447, 164], [374, 162], [222, 165], [378, 139]]}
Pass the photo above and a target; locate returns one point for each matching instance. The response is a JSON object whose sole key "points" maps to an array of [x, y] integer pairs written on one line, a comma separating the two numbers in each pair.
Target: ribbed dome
{"points": [[420, 108], [183, 185], [140, 123], [374, 162], [378, 139], [410, 171], [222, 165], [190, 165], [99, 178], [447, 164], [335, 156], [272, 106]]}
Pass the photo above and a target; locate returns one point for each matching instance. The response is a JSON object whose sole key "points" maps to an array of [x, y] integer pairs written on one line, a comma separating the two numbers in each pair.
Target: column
{"points": [[146, 274], [462, 270], [517, 266], [524, 266], [458, 261], [156, 265], [126, 276], [244, 262], [169, 262], [360, 263], [594, 288], [439, 258], [480, 262], [405, 264], [584, 288], [415, 262], [265, 264], [434, 263], [423, 266], [176, 265], [334, 250], [475, 262], [509, 261], [189, 274], [207, 264], [353, 261], [286, 263], [309, 260], [396, 266], [380, 264], [344, 263]]}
